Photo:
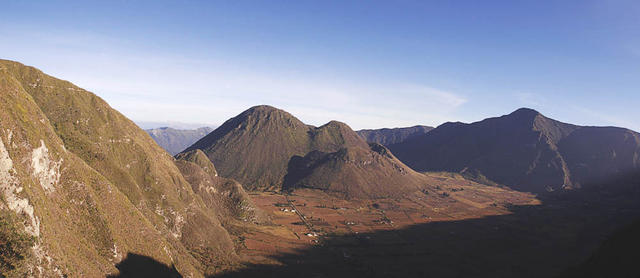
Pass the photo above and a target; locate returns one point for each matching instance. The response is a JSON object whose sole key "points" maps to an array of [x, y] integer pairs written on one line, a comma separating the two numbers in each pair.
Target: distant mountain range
{"points": [[171, 124], [525, 150], [390, 136], [176, 140]]}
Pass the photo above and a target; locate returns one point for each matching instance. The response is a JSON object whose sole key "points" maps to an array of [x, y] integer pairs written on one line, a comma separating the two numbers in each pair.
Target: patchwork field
{"points": [[308, 218]]}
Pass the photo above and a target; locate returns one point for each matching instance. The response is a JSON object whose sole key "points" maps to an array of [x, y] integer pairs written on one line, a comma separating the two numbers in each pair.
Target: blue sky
{"points": [[367, 63]]}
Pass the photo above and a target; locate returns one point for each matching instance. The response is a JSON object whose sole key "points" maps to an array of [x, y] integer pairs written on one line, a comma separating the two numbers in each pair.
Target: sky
{"points": [[370, 64]]}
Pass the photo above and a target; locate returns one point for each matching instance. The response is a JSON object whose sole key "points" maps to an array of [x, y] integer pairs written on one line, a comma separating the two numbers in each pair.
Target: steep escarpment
{"points": [[255, 147], [83, 186], [524, 150]]}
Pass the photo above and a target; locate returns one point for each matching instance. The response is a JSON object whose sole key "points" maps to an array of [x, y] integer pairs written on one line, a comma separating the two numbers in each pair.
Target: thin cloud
{"points": [[606, 119], [447, 98], [163, 87], [530, 99]]}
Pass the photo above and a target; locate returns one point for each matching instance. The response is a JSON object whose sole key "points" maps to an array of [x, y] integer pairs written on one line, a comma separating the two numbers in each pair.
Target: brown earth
{"points": [[475, 231]]}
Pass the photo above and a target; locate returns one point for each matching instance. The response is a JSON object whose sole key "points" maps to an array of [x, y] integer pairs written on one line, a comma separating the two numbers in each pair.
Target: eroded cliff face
{"points": [[81, 186]]}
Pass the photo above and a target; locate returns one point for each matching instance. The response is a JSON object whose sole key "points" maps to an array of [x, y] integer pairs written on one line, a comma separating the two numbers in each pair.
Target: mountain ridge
{"points": [[523, 149], [390, 136]]}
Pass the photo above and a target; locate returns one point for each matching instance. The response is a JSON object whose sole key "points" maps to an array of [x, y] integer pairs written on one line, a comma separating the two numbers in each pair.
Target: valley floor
{"points": [[483, 232], [310, 217]]}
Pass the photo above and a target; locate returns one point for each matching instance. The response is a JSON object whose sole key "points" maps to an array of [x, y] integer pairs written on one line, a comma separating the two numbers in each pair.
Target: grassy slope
{"points": [[136, 194], [225, 196], [255, 147], [356, 172], [81, 221]]}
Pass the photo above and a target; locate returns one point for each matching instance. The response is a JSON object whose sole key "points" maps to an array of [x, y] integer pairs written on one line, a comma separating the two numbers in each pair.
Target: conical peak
{"points": [[336, 125], [264, 110], [269, 114], [525, 113]]}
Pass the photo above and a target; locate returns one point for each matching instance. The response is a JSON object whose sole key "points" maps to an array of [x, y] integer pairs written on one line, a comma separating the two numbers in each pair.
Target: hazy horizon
{"points": [[371, 65], [192, 125]]}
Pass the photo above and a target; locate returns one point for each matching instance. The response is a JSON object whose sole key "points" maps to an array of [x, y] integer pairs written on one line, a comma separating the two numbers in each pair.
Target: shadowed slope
{"points": [[256, 146], [525, 151], [617, 256], [139, 266]]}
